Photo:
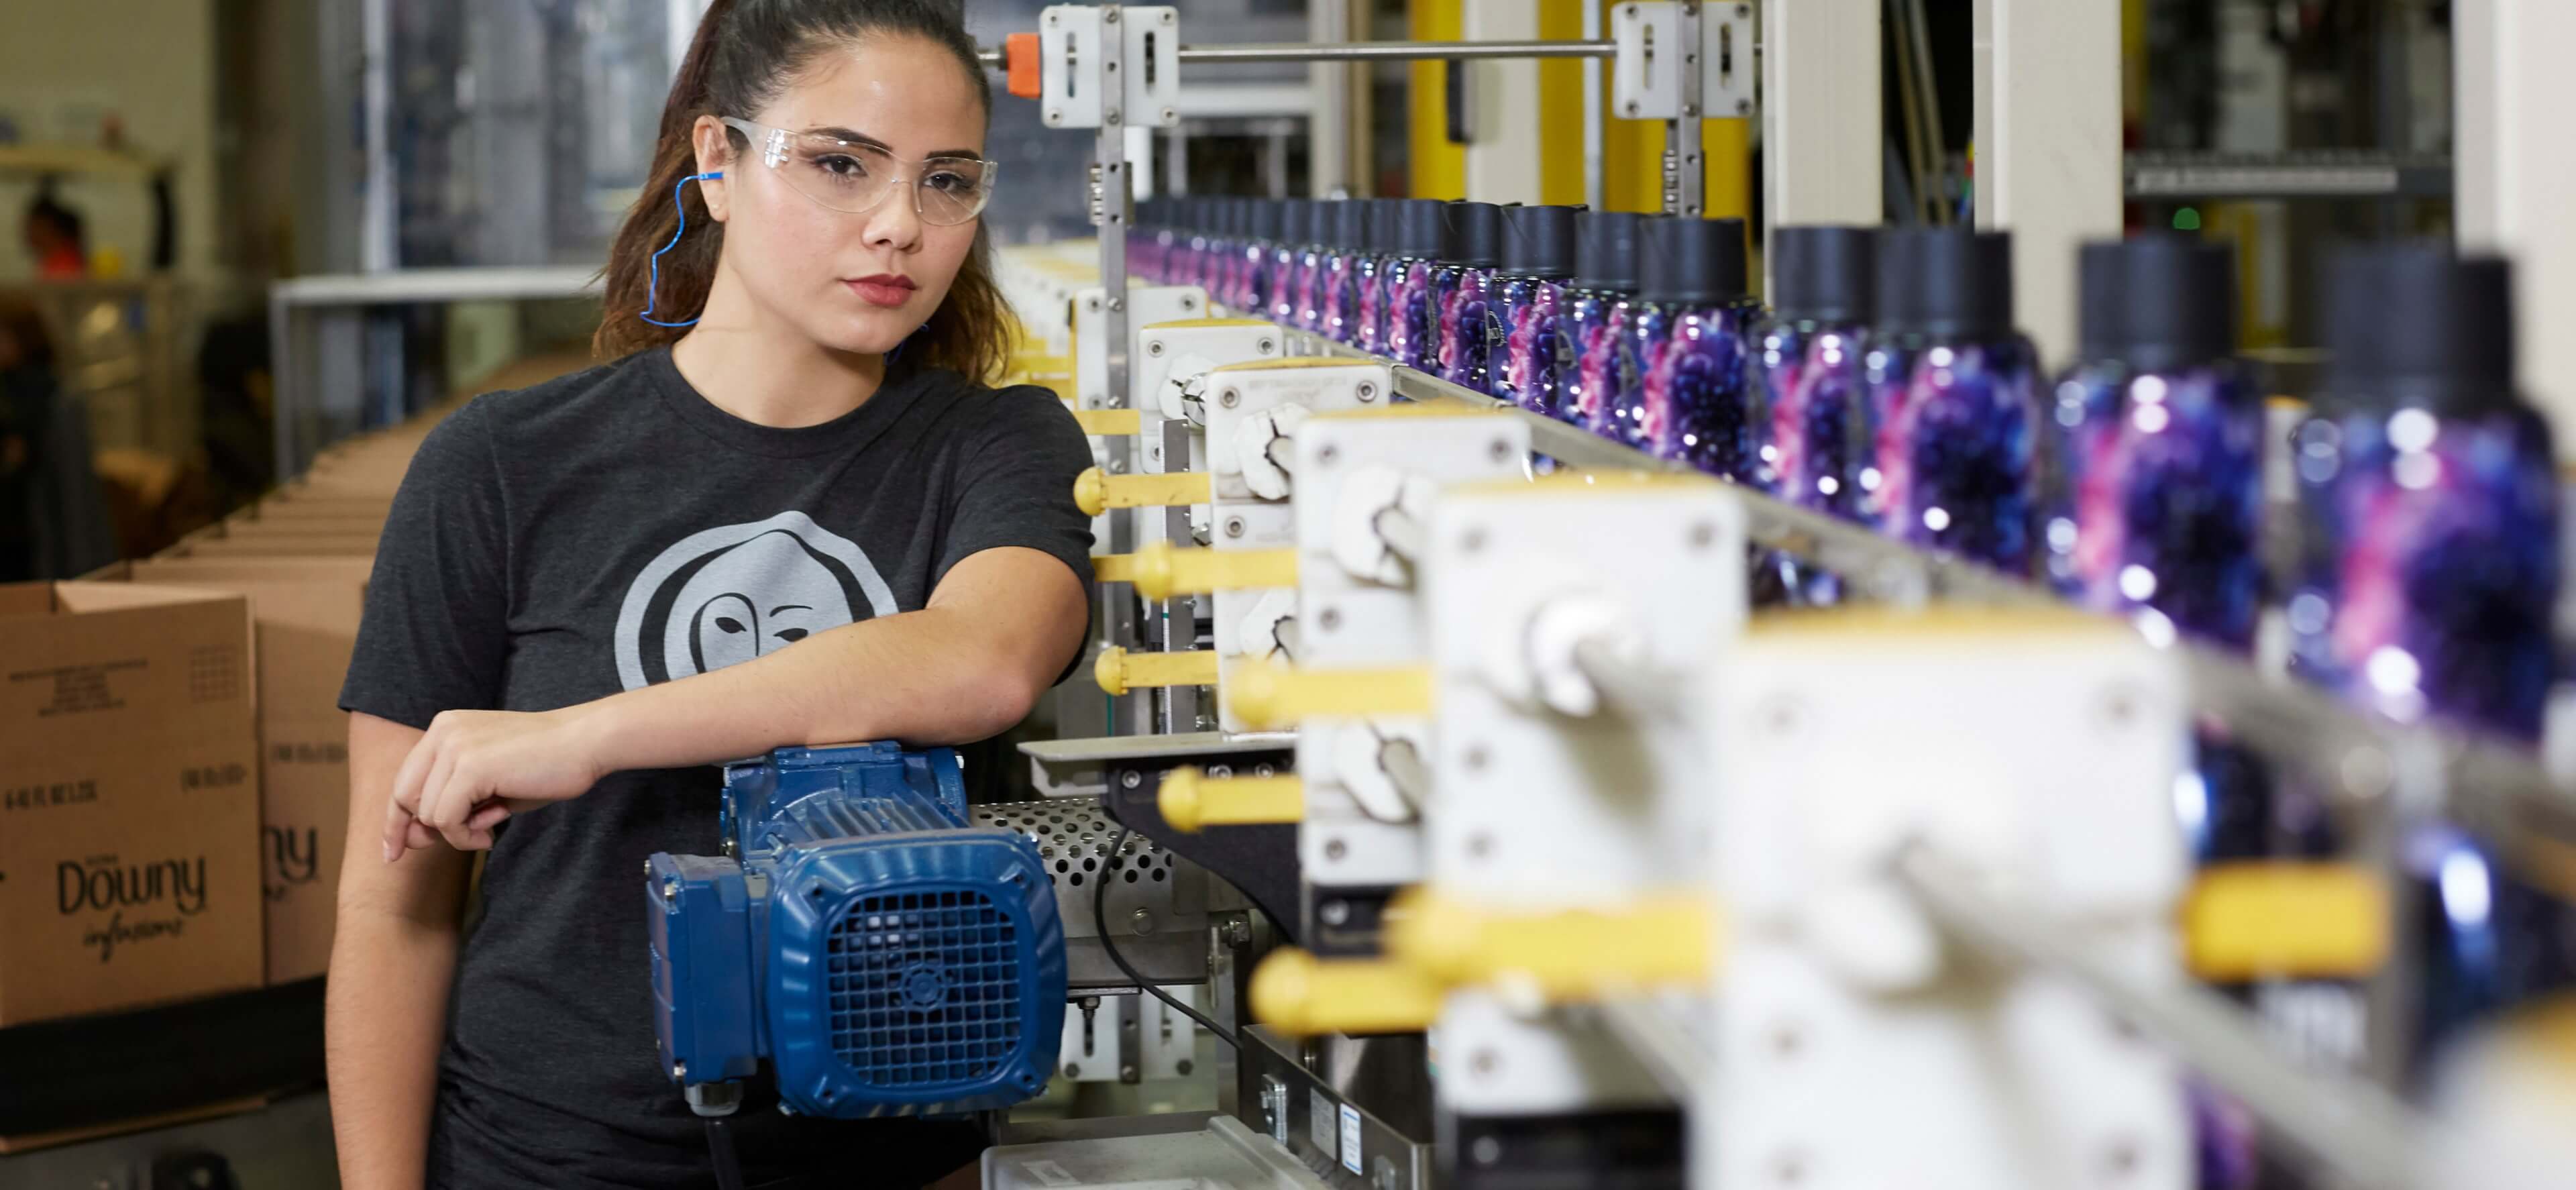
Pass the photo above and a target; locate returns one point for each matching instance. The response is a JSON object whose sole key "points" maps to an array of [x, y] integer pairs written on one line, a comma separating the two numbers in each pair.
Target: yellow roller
{"points": [[1297, 993], [1569, 955], [1191, 799], [1119, 671], [1162, 571], [2249, 920], [1095, 491], [1264, 695], [1109, 423], [1113, 568]]}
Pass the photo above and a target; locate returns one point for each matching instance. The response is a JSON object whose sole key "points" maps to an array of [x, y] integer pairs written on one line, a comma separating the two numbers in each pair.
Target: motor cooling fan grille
{"points": [[924, 988]]}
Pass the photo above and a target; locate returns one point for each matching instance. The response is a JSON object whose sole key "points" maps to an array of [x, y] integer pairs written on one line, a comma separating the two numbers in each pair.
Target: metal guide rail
{"points": [[2374, 764]]}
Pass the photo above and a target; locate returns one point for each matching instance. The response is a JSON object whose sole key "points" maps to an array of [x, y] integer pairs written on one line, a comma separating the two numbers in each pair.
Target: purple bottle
{"points": [[1227, 284], [2446, 539], [1887, 373], [1369, 271], [1189, 243], [1689, 332], [1521, 340], [1288, 258], [1260, 275], [2157, 491], [1462, 291], [1810, 355], [1964, 432], [1594, 314], [1338, 315], [1410, 336]]}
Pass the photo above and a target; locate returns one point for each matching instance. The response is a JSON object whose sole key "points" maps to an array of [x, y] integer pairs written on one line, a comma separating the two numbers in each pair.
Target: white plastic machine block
{"points": [[1254, 414], [1366, 483], [1646, 63], [1146, 305], [2041, 754], [1539, 809], [1080, 86], [1170, 374]]}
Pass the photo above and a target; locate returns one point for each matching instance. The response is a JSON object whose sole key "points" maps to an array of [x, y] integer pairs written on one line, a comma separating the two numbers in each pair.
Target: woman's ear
{"points": [[714, 146]]}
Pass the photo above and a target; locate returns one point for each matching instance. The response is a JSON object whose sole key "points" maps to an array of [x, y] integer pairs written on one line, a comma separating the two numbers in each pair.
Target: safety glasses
{"points": [[854, 176]]}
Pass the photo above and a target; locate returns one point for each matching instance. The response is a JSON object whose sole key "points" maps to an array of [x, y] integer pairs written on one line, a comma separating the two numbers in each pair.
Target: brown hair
{"points": [[744, 51]]}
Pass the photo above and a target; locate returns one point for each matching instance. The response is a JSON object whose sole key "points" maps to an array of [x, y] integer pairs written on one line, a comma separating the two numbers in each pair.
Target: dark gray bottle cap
{"points": [[1471, 234], [2177, 298], [2099, 304], [1538, 241], [1966, 283], [1350, 227], [1268, 216], [1382, 219], [1419, 227], [1690, 261], [1824, 274], [2419, 324], [1605, 252]]}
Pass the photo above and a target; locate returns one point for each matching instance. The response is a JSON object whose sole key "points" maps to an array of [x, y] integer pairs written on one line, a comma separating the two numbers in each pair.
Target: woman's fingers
{"points": [[401, 804], [456, 800]]}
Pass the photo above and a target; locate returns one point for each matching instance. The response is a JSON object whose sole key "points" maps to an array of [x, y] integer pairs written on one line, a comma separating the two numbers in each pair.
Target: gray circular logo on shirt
{"points": [[731, 594]]}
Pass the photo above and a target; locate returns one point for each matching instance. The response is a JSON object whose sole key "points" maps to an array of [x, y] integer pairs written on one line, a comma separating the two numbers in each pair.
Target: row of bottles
{"points": [[1887, 385]]}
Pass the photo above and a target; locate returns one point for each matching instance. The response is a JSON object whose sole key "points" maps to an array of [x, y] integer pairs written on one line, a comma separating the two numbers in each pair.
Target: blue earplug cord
{"points": [[656, 281]]}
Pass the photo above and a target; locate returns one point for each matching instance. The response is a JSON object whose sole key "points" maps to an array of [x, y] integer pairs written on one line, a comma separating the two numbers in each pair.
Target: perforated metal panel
{"points": [[1073, 838], [924, 988]]}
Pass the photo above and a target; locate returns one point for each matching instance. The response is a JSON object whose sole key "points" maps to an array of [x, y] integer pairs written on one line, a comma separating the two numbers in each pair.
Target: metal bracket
{"points": [[1726, 59], [1645, 66]]}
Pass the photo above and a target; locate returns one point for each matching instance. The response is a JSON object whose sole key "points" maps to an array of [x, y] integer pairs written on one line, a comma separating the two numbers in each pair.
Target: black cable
{"points": [[1100, 921], [720, 1151]]}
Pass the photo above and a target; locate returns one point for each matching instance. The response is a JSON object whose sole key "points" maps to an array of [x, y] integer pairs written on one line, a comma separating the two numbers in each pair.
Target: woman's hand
{"points": [[475, 768]]}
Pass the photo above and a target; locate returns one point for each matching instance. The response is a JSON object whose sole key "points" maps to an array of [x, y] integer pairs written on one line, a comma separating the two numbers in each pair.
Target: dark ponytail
{"points": [[744, 52]]}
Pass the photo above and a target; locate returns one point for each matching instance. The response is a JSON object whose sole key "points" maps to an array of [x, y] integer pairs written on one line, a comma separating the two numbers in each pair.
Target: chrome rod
{"points": [[2362, 1134], [1393, 51]]}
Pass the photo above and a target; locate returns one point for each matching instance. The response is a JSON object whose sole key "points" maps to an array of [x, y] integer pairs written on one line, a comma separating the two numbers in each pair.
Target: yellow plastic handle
{"points": [[1162, 571], [1570, 954], [2249, 920], [1191, 799], [1094, 491], [1297, 993], [1109, 423], [1119, 671], [1113, 568], [1264, 695]]}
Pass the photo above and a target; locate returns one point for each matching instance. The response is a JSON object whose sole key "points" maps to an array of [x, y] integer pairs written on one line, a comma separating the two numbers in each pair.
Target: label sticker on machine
{"points": [[1319, 1124], [1350, 1138], [1049, 1173]]}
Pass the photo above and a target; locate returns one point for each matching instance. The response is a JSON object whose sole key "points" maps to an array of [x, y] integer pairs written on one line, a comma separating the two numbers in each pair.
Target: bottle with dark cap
{"points": [[2447, 494], [1690, 331], [1595, 313], [1295, 214], [2447, 543], [1374, 274], [1410, 334], [1808, 355], [2156, 490], [1471, 247], [1956, 452], [1258, 281], [1337, 298], [1538, 256]]}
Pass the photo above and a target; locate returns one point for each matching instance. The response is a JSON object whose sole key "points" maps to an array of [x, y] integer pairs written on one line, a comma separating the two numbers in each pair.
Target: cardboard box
{"points": [[129, 798], [305, 615], [288, 545]]}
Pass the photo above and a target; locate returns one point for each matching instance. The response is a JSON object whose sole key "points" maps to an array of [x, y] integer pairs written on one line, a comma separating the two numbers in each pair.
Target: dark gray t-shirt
{"points": [[613, 529]]}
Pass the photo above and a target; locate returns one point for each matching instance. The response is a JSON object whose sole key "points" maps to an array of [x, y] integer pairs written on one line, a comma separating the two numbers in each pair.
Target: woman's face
{"points": [[855, 282]]}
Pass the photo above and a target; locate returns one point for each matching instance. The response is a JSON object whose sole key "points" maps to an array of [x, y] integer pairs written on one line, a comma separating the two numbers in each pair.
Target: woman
{"points": [[800, 520]]}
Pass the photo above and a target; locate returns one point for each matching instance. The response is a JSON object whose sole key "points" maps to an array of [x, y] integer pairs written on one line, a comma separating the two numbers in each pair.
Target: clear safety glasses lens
{"points": [[853, 177]]}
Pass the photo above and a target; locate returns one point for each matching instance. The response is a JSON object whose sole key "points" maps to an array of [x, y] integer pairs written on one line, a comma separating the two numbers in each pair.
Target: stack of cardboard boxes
{"points": [[173, 760]]}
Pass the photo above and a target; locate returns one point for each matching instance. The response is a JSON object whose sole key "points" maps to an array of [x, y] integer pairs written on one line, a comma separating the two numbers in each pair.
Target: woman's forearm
{"points": [[393, 954], [965, 668]]}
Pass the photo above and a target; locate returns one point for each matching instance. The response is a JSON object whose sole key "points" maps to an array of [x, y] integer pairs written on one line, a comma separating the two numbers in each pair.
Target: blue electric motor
{"points": [[884, 957]]}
